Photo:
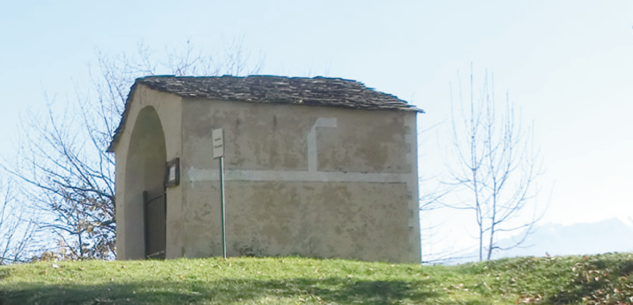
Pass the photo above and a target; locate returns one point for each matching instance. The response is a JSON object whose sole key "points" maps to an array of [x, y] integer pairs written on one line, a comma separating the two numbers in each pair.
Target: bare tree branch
{"points": [[68, 175]]}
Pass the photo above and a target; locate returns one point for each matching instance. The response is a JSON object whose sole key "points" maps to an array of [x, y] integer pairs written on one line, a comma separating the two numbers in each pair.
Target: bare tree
{"points": [[495, 168], [17, 229], [62, 153]]}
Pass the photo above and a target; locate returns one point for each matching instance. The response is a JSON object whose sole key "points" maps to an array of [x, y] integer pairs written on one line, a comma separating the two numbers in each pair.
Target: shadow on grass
{"points": [[330, 290]]}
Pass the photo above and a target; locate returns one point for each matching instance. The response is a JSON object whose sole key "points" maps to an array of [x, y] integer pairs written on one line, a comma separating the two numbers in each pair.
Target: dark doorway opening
{"points": [[155, 210]]}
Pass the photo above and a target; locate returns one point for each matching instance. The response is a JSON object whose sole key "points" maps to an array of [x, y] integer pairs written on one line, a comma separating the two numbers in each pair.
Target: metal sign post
{"points": [[218, 153]]}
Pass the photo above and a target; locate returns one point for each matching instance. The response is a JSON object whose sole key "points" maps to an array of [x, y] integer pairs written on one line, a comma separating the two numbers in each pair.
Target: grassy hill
{"points": [[599, 279]]}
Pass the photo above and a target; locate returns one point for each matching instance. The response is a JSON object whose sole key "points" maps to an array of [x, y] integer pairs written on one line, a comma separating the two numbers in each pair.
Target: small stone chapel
{"points": [[316, 167]]}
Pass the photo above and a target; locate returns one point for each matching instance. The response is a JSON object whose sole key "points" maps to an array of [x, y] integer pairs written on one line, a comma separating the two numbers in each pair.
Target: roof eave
{"points": [[119, 130]]}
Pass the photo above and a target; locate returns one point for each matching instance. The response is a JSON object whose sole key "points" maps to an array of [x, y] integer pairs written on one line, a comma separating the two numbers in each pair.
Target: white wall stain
{"points": [[312, 141]]}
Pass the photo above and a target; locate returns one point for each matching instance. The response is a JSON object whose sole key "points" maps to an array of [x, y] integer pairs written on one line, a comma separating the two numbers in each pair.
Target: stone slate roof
{"points": [[317, 91]]}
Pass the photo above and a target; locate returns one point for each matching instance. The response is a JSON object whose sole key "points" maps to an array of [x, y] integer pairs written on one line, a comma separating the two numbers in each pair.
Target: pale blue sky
{"points": [[567, 64]]}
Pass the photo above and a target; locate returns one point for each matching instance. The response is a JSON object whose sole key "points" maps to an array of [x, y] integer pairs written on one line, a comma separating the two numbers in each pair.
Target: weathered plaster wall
{"points": [[131, 178], [312, 181]]}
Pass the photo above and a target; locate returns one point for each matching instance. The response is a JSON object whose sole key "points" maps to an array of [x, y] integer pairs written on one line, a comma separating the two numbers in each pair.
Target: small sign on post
{"points": [[218, 143], [218, 153]]}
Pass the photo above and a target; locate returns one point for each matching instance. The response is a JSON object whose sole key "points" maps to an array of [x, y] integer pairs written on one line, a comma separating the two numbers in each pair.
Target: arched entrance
{"points": [[145, 204]]}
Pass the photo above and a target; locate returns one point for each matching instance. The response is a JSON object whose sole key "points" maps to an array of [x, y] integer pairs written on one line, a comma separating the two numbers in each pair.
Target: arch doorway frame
{"points": [[145, 191]]}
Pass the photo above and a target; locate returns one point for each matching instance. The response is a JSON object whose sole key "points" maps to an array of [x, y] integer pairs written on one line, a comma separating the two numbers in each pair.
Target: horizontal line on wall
{"points": [[196, 175]]}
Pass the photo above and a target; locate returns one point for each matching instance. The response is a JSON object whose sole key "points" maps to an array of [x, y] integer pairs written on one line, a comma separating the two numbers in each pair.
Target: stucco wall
{"points": [[312, 181]]}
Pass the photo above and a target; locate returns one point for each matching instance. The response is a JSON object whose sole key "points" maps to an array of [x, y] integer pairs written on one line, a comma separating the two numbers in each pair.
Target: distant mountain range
{"points": [[611, 235]]}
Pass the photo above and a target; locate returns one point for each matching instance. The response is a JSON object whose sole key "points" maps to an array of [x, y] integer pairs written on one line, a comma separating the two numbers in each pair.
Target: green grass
{"points": [[291, 280]]}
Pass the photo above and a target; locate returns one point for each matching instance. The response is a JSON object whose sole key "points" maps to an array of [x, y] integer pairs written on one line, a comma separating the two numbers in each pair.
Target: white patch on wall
{"points": [[312, 141]]}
